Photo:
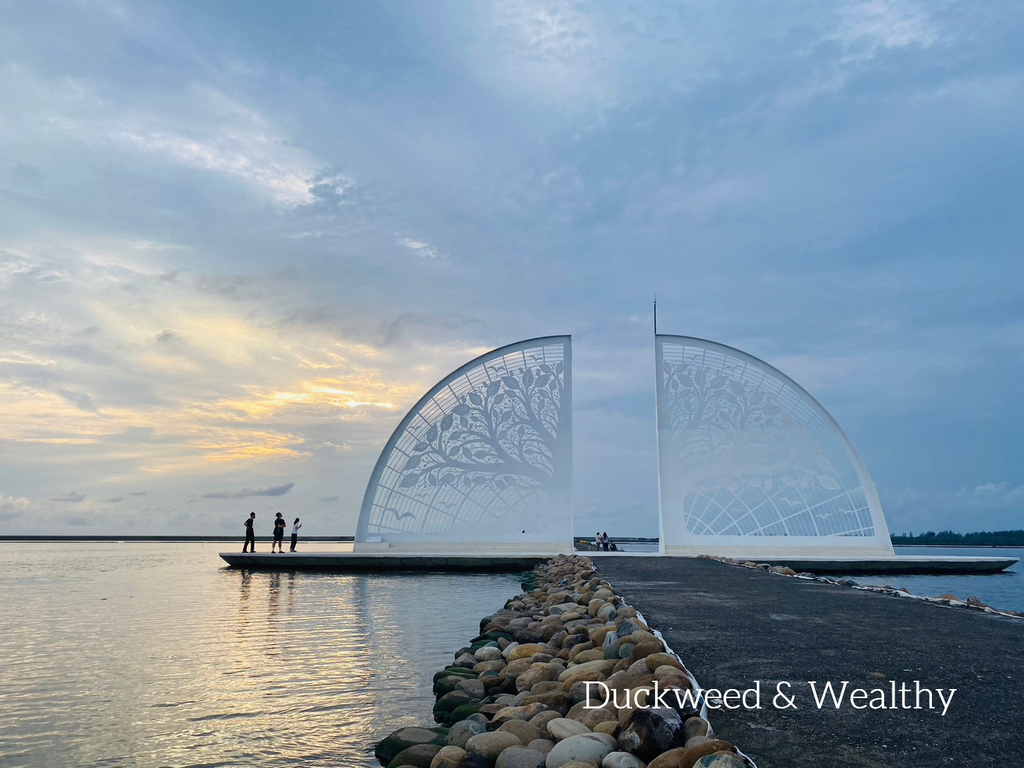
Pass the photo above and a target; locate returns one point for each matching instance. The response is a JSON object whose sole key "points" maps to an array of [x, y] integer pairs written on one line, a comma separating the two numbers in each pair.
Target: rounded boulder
{"points": [[420, 756], [621, 760], [721, 761], [563, 728], [520, 757], [490, 745], [585, 748], [448, 757], [402, 739], [685, 757], [463, 731]]}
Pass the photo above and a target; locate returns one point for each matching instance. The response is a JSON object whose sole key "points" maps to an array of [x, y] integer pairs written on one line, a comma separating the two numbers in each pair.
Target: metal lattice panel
{"points": [[745, 451], [484, 456]]}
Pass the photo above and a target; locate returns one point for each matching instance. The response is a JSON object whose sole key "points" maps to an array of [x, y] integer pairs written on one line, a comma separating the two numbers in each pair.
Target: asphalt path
{"points": [[735, 627]]}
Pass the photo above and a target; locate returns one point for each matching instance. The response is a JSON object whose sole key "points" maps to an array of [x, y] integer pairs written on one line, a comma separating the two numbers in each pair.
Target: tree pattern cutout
{"points": [[710, 412], [768, 472], [502, 435]]}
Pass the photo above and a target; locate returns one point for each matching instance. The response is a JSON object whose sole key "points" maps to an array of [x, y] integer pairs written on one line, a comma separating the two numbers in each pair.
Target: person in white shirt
{"points": [[295, 534]]}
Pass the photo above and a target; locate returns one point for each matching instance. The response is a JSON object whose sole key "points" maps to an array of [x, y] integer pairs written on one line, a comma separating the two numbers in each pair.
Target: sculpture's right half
{"points": [[750, 465]]}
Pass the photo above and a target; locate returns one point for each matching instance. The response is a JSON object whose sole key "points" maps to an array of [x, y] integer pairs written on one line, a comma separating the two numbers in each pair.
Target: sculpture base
{"points": [[878, 566], [355, 562]]}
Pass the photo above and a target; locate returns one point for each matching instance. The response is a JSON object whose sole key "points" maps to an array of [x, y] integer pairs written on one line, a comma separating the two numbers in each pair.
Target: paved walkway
{"points": [[733, 626]]}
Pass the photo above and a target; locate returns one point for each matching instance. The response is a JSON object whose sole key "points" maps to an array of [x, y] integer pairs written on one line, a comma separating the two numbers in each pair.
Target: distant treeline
{"points": [[976, 539]]}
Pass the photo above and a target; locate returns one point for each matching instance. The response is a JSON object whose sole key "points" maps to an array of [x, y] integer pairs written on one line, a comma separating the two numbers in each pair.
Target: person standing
{"points": [[279, 525], [295, 534], [605, 541], [597, 540], [250, 534]]}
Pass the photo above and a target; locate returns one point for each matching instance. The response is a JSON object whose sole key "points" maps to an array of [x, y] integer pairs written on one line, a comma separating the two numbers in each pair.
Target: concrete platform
{"points": [[921, 564], [352, 562], [367, 562], [735, 626]]}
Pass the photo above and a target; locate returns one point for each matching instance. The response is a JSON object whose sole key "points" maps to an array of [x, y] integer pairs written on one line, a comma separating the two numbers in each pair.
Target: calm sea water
{"points": [[1000, 590], [155, 655]]}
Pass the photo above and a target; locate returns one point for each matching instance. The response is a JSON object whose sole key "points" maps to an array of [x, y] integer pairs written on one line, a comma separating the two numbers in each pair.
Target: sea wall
{"points": [[517, 695]]}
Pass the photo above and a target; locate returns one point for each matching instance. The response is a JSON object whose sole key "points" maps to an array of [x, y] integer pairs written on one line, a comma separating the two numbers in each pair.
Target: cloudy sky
{"points": [[239, 240]]}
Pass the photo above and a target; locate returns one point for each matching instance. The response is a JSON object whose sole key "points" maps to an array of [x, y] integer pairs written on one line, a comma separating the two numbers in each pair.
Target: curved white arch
{"points": [[484, 458], [750, 463]]}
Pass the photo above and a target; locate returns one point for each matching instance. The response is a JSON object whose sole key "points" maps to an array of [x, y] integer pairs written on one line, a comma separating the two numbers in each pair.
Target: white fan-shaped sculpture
{"points": [[751, 465], [483, 462]]}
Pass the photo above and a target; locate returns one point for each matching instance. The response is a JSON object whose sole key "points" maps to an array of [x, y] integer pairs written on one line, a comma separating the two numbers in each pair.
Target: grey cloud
{"points": [[228, 286], [277, 490], [85, 353], [326, 499], [80, 400], [12, 507], [137, 493], [424, 323], [72, 497], [113, 500], [290, 272], [132, 435], [40, 377], [171, 342], [25, 174], [309, 315]]}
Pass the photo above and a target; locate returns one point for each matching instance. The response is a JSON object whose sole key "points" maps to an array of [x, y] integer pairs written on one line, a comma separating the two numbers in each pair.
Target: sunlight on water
{"points": [[153, 654]]}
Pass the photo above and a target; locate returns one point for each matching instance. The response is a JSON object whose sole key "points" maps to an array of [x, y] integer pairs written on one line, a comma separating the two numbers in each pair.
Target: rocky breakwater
{"points": [[517, 695], [948, 599]]}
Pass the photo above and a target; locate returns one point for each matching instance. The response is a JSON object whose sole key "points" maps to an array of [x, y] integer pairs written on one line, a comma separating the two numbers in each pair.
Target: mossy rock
{"points": [[389, 748], [461, 671], [494, 634], [418, 756], [444, 706], [464, 711], [448, 684]]}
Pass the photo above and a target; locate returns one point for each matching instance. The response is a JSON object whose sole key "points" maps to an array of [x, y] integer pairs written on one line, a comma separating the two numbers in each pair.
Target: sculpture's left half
{"points": [[483, 462]]}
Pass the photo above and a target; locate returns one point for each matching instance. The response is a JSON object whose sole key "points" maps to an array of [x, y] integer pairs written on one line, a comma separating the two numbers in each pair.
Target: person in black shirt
{"points": [[279, 525], [250, 534]]}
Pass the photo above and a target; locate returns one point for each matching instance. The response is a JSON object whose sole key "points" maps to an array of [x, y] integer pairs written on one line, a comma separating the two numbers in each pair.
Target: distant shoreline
{"points": [[351, 539], [1013, 538], [962, 546], [194, 539], [183, 539]]}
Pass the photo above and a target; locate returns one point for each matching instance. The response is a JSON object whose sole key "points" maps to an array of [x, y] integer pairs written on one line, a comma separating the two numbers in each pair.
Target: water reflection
{"points": [[274, 591], [154, 655]]}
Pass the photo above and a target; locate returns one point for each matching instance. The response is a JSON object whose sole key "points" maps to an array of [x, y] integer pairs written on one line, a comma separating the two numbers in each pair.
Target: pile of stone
{"points": [[517, 695]]}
